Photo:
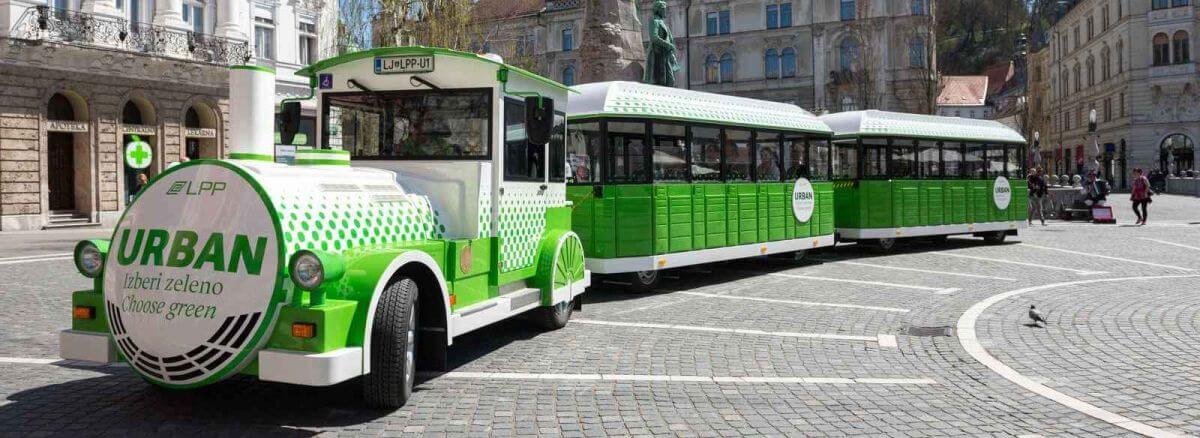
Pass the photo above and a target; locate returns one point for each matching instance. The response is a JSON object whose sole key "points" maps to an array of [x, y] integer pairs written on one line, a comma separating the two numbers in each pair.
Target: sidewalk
{"points": [[46, 242]]}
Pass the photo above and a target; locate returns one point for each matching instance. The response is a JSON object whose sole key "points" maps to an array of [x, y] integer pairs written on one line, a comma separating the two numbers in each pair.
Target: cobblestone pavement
{"points": [[849, 342]]}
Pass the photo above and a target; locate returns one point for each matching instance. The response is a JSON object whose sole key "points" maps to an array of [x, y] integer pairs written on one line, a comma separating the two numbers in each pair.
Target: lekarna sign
{"points": [[403, 64], [138, 154]]}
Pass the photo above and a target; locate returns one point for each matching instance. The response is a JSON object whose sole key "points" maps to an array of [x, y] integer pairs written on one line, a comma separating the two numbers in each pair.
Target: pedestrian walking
{"points": [[1141, 196], [1037, 194]]}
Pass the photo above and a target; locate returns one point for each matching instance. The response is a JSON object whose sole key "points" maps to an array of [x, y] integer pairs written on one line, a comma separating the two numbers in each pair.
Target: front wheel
{"points": [[393, 347], [996, 237], [644, 281]]}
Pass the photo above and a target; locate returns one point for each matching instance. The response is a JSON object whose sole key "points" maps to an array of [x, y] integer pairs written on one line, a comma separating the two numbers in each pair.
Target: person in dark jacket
{"points": [[1140, 195], [1037, 193]]}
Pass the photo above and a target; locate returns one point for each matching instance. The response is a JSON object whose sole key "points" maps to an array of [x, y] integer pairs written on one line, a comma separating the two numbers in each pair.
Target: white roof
{"points": [[632, 99], [889, 124]]}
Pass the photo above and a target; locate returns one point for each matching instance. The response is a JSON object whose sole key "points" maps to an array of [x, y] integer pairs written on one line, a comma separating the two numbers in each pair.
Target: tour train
{"points": [[450, 191]]}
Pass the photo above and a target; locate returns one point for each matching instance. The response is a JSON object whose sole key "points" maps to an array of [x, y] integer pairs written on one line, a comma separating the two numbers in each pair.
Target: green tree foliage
{"points": [[974, 34]]}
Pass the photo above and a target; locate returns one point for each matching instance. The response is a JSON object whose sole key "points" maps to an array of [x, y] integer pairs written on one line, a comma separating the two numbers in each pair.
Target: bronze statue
{"points": [[661, 64]]}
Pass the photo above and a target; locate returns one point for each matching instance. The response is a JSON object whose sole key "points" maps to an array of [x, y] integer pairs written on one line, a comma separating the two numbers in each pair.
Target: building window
{"points": [[308, 43], [847, 104], [1104, 17], [1120, 57], [848, 10], [772, 63], [568, 39], [1091, 27], [1091, 71], [1121, 104], [1108, 112], [1105, 64], [193, 15], [264, 38], [1162, 51], [1181, 47], [788, 60], [710, 23], [848, 54], [723, 21], [1177, 3], [785, 14], [772, 16], [726, 68], [918, 7], [1160, 4], [916, 53], [1078, 79], [568, 76], [1076, 37], [712, 72]]}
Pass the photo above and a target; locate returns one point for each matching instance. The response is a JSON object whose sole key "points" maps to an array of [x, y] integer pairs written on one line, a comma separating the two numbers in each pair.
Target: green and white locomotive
{"points": [[435, 206]]}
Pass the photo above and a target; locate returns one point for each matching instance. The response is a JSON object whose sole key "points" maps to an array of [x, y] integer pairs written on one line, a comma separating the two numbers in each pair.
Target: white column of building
{"points": [[169, 13], [229, 14], [820, 73], [100, 7]]}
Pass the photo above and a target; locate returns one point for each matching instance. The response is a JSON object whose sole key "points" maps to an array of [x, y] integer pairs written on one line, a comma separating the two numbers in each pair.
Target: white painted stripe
{"points": [[671, 378], [36, 256], [888, 341], [1165, 242], [728, 330], [47, 259], [925, 271], [970, 341], [28, 360], [936, 290], [1119, 259], [1012, 262], [799, 303]]}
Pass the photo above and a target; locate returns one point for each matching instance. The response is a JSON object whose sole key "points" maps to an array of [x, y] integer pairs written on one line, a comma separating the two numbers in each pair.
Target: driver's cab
{"points": [[481, 139]]}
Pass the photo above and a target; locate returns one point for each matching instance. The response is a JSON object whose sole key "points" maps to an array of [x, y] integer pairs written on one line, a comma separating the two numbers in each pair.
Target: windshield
{"points": [[427, 124]]}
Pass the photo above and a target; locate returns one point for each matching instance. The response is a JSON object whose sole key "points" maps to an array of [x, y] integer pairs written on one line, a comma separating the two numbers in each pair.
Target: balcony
{"points": [[558, 5], [1166, 71], [45, 24], [1169, 15]]}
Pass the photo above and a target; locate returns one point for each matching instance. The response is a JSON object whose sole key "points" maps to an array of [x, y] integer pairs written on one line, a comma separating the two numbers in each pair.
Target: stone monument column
{"points": [[612, 42]]}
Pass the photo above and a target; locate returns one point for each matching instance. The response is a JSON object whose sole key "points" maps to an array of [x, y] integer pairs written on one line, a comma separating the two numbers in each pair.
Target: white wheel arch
{"points": [[400, 261]]}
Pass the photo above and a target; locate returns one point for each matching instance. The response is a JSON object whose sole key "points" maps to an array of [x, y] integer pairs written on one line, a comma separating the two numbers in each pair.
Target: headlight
{"points": [[307, 271], [89, 257]]}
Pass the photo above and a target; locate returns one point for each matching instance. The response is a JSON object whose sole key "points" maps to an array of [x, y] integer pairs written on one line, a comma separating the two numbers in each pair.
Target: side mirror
{"points": [[539, 119], [290, 123]]}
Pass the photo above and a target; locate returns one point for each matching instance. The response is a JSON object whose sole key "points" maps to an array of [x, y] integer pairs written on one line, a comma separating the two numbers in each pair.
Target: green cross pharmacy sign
{"points": [[138, 154]]}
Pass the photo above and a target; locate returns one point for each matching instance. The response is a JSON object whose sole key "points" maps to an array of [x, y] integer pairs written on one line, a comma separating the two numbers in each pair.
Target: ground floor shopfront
{"points": [[1169, 148], [68, 115]]}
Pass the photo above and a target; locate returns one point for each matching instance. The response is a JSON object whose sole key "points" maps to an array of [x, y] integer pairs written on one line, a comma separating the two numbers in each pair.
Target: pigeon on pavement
{"points": [[1035, 315]]}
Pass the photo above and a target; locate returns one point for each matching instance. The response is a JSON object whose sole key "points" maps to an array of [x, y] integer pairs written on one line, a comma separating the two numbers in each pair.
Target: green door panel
{"points": [[633, 211], [716, 224], [747, 196]]}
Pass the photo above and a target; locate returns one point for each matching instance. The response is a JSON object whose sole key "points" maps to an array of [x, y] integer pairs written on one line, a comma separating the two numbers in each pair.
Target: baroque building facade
{"points": [[79, 79], [824, 55], [1131, 61]]}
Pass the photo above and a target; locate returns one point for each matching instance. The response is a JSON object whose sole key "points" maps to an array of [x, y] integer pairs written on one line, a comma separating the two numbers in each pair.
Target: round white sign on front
{"points": [[190, 283], [138, 154], [1001, 193], [804, 200]]}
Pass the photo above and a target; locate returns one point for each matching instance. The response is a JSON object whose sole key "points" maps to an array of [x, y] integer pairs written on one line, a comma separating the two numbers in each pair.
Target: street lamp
{"points": [[1037, 148], [1095, 143]]}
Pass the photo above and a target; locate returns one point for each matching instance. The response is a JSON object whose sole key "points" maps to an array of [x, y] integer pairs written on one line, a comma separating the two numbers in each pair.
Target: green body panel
{"points": [[333, 320], [917, 203], [652, 219], [93, 299]]}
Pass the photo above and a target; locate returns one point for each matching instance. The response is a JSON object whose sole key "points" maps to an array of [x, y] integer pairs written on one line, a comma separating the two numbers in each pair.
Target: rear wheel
{"points": [[393, 347], [995, 237], [644, 281], [886, 244]]}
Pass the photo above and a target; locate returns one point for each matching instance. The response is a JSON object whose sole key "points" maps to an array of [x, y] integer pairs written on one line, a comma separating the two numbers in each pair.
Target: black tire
{"points": [[554, 317], [800, 255], [886, 245], [644, 281], [393, 347], [995, 237]]}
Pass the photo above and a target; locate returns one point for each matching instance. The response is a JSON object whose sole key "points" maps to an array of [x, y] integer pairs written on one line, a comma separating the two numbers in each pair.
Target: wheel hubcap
{"points": [[409, 353], [647, 277]]}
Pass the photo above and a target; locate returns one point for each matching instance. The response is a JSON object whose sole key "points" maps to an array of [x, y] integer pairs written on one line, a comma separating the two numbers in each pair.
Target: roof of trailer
{"points": [[888, 124], [632, 99], [312, 69]]}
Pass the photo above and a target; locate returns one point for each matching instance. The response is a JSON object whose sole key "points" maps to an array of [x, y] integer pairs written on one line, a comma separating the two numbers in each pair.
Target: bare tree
{"points": [[864, 70], [926, 82]]}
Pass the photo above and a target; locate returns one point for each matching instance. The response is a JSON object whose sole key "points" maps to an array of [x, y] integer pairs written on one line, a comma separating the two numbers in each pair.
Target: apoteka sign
{"points": [[1001, 193], [138, 154], [190, 283], [804, 200]]}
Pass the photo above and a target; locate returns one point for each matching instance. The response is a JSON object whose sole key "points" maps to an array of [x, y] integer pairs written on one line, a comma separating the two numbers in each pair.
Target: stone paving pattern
{"points": [[1129, 347]]}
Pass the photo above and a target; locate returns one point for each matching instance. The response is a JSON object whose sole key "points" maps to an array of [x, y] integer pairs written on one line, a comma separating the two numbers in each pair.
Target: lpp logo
{"points": [[190, 189]]}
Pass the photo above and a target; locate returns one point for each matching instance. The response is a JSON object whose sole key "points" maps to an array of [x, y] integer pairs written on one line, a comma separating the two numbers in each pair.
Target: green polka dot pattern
{"points": [[485, 208], [338, 221], [522, 224]]}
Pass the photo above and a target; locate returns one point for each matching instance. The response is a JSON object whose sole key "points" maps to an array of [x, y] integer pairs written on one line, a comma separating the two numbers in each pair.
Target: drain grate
{"points": [[929, 331]]}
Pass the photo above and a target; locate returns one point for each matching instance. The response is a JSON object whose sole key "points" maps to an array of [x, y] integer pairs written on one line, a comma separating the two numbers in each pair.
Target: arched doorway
{"points": [[139, 122], [68, 157], [1177, 154], [200, 132]]}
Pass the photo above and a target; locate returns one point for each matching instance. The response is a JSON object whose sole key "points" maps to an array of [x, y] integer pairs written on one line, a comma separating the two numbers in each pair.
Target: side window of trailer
{"points": [[929, 157], [627, 152], [557, 152], [706, 154], [583, 152], [767, 161], [737, 155], [953, 159], [874, 158], [670, 152], [1016, 161], [903, 162], [522, 161], [975, 161], [995, 160], [819, 154], [796, 157], [845, 159]]}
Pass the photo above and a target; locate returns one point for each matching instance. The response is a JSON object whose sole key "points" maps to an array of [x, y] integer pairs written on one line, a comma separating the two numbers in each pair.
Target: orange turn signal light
{"points": [[304, 330], [84, 312], [453, 300]]}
